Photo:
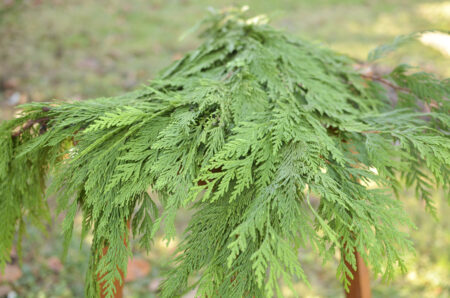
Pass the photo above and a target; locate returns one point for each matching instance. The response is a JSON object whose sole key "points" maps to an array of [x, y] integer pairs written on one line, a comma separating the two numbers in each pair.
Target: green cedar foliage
{"points": [[272, 140]]}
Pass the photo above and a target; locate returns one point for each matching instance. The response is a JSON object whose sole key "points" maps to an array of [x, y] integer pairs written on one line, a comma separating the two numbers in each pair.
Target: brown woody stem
{"points": [[385, 82], [41, 121]]}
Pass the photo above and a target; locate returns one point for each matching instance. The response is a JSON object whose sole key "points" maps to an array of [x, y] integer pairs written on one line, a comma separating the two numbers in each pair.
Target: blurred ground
{"points": [[84, 49]]}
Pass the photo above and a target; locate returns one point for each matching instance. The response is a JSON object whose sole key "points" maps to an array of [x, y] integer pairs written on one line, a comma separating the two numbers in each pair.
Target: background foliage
{"points": [[83, 50]]}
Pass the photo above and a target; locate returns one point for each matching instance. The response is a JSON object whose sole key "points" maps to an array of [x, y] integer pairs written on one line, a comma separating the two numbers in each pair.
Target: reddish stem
{"points": [[360, 285], [385, 82], [117, 284]]}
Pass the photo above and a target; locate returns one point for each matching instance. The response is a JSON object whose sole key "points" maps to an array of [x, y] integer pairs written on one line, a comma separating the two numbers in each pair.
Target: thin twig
{"points": [[228, 75], [371, 131], [42, 122], [385, 82]]}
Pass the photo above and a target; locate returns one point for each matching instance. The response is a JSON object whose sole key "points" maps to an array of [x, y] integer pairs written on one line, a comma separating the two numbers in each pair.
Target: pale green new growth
{"points": [[272, 140]]}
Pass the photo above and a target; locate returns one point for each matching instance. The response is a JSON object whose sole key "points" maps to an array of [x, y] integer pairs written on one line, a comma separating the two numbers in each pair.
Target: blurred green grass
{"points": [[83, 49]]}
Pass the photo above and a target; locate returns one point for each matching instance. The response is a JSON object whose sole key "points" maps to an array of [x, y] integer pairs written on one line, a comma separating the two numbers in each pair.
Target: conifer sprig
{"points": [[273, 141]]}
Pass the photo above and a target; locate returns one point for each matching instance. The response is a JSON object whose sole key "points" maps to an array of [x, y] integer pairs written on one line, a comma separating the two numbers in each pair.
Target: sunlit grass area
{"points": [[73, 50], [83, 49]]}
